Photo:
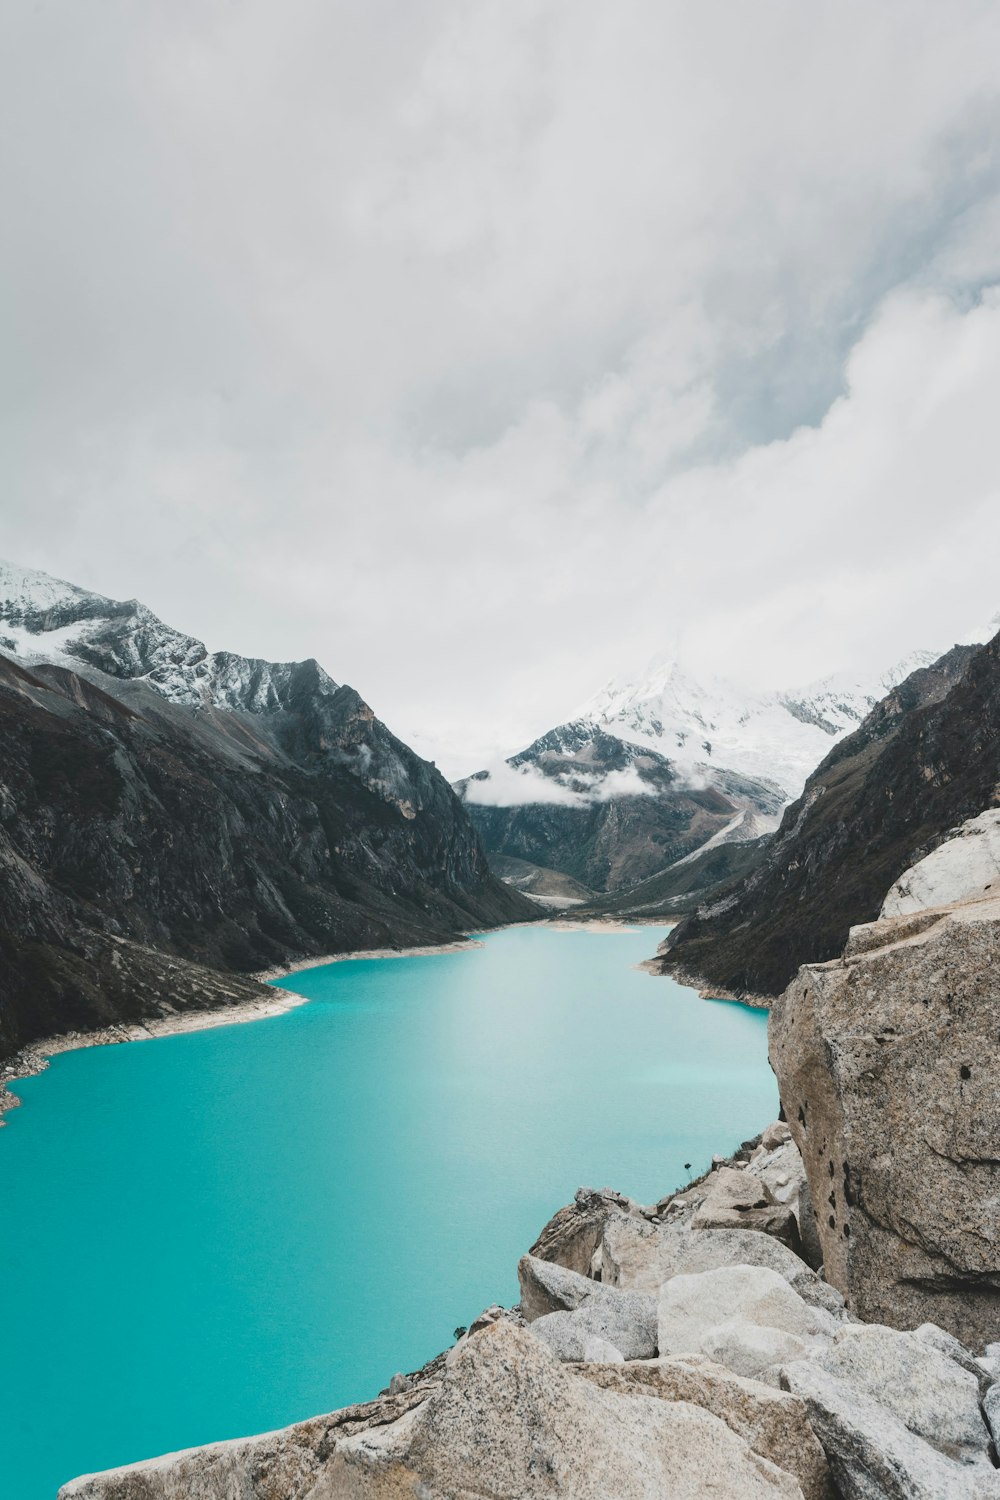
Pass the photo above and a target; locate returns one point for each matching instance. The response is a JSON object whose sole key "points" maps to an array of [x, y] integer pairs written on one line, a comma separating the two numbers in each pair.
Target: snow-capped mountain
{"points": [[775, 737], [660, 770], [46, 619], [162, 805], [297, 705]]}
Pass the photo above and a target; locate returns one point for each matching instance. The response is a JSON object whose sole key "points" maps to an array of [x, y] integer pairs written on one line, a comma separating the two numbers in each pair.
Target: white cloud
{"points": [[519, 786], [510, 786], [480, 350]]}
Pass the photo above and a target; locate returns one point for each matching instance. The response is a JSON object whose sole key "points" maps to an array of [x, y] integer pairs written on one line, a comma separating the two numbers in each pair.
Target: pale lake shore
{"points": [[281, 971], [34, 1058]]}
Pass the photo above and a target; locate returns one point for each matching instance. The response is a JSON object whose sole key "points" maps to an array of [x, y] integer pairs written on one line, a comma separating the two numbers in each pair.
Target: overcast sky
{"points": [[485, 350]]}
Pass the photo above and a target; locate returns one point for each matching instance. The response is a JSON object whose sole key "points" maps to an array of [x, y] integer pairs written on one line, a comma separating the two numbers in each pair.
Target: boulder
{"points": [[740, 1200], [883, 1062], [598, 1351], [509, 1421], [755, 1350], [872, 1454], [571, 1236], [946, 1343], [782, 1171], [548, 1287], [625, 1320], [642, 1256], [773, 1422], [926, 1390], [745, 1317]]}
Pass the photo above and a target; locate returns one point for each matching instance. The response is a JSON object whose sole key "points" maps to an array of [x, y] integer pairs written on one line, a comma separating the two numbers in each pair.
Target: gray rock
{"points": [[745, 1317], [783, 1173], [991, 1412], [547, 1287], [872, 1455], [946, 1343], [773, 1422], [573, 1234], [599, 1352], [508, 1421], [626, 1320], [883, 1062], [924, 1389], [739, 1200], [640, 1255], [753, 1350]]}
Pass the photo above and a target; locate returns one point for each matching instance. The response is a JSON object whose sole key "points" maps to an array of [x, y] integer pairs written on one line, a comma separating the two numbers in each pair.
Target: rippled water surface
{"points": [[217, 1233]]}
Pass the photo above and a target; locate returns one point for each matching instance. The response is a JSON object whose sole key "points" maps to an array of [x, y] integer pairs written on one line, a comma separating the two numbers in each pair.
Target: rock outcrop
{"points": [[885, 1060], [506, 1420]]}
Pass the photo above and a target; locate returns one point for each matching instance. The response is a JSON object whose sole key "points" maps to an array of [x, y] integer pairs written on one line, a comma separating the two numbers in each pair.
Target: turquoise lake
{"points": [[217, 1233]]}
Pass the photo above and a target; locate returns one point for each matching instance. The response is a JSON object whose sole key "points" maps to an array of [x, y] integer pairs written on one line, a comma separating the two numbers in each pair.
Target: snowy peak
{"points": [[47, 619], [306, 715], [773, 737]]}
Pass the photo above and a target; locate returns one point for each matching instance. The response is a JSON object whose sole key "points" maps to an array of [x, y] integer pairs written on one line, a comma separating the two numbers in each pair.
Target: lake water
{"points": [[217, 1233]]}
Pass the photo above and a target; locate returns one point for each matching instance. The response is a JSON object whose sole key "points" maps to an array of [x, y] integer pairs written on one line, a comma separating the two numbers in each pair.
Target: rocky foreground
{"points": [[689, 1349]]}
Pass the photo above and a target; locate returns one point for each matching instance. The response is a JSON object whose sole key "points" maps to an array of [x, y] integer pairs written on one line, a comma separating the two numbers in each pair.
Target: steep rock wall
{"points": [[886, 1063]]}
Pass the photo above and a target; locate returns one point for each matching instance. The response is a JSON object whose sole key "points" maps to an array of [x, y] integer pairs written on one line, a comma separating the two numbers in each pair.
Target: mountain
{"points": [[606, 812], [162, 806], [657, 771], [926, 759], [773, 737]]}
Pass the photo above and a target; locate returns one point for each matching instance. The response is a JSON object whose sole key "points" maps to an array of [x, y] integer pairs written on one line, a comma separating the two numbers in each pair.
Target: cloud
{"points": [[478, 351], [520, 786]]}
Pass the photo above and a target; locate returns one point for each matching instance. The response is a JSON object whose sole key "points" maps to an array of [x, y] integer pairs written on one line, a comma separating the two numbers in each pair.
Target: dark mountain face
{"points": [[613, 813], [278, 818], [925, 759]]}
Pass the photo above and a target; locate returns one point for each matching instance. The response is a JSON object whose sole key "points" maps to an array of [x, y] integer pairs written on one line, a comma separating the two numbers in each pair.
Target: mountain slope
{"points": [[158, 803], [925, 759]]}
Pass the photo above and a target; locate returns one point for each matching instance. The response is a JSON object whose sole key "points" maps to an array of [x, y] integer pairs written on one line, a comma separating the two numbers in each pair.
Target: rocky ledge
{"points": [[692, 1348]]}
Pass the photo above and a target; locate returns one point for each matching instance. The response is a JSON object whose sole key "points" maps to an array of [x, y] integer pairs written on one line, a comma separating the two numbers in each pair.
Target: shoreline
{"points": [[35, 1058], [281, 971], [696, 983]]}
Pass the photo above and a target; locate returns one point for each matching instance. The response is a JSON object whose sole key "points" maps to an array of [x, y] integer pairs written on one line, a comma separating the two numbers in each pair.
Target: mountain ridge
{"points": [[220, 816], [925, 759]]}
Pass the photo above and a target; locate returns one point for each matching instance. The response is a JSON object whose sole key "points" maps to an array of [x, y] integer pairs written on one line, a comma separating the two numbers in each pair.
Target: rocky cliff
{"points": [[925, 759], [885, 1062], [159, 804]]}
